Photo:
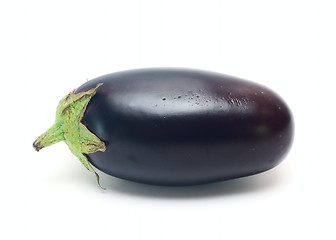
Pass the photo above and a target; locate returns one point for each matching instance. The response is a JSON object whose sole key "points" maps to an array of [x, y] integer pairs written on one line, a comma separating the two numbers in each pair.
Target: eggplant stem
{"points": [[68, 128]]}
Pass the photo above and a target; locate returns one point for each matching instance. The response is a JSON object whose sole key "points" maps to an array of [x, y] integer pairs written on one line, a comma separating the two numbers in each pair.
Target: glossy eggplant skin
{"points": [[175, 127]]}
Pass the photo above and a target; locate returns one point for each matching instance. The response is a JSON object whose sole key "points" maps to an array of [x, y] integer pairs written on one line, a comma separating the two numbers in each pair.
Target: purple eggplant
{"points": [[175, 127]]}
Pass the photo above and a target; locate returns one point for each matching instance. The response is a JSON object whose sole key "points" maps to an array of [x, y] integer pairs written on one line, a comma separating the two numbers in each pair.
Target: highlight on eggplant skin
{"points": [[185, 127], [172, 126]]}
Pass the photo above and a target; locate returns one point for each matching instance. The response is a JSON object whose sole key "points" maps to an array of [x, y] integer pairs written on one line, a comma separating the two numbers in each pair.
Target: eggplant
{"points": [[167, 126]]}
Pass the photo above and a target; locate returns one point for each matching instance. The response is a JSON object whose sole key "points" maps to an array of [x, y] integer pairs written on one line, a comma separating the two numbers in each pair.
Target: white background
{"points": [[51, 47]]}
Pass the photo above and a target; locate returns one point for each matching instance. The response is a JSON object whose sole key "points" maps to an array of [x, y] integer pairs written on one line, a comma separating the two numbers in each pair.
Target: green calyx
{"points": [[68, 128]]}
